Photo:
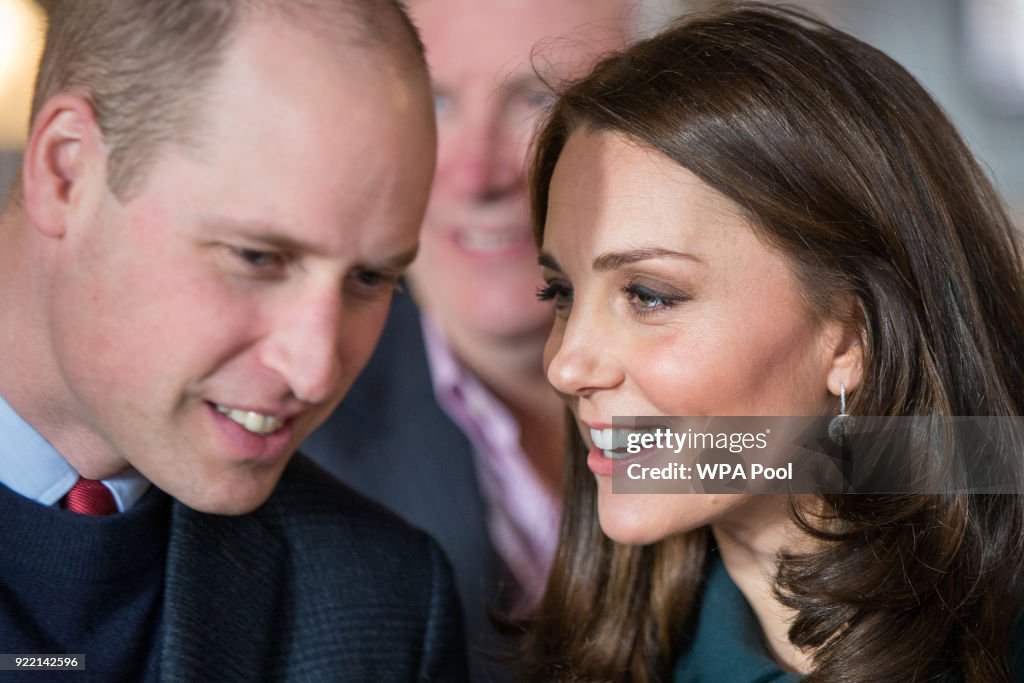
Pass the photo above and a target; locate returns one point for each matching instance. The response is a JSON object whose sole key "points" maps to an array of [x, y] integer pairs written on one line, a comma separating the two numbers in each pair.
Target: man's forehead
{"points": [[374, 25]]}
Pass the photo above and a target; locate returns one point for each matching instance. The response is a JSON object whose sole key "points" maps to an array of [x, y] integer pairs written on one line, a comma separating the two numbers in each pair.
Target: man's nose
{"points": [[305, 348], [480, 158]]}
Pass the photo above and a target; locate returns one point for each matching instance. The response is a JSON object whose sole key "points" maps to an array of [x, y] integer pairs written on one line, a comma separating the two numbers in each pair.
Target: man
{"points": [[216, 201], [454, 425]]}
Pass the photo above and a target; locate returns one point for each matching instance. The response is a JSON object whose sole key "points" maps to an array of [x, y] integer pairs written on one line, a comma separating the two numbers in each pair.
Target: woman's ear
{"points": [[63, 155], [846, 348]]}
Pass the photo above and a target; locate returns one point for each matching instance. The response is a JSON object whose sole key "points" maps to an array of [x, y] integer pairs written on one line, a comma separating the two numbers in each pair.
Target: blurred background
{"points": [[21, 41], [968, 53]]}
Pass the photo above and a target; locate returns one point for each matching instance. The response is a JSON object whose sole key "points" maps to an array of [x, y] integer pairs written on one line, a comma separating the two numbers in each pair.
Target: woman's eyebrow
{"points": [[611, 260], [546, 260]]}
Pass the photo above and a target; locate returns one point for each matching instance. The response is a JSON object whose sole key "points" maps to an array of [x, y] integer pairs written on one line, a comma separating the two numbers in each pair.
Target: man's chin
{"points": [[231, 508], [235, 498]]}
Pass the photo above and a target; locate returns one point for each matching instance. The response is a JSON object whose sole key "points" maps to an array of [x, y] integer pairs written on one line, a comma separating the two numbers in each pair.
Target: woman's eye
{"points": [[558, 293], [646, 300]]}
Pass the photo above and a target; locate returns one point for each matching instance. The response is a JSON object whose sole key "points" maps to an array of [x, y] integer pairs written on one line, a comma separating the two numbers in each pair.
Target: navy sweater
{"points": [[77, 584]]}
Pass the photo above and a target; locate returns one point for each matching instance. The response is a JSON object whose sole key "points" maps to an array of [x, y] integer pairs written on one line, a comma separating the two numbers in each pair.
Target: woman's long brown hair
{"points": [[843, 162]]}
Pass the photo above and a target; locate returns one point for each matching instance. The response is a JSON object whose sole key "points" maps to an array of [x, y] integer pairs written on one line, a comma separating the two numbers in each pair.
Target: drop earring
{"points": [[840, 424]]}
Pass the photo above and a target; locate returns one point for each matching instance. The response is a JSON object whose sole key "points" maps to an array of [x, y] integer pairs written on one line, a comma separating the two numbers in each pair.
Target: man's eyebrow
{"points": [[263, 232], [546, 260], [398, 261], [268, 234], [616, 259]]}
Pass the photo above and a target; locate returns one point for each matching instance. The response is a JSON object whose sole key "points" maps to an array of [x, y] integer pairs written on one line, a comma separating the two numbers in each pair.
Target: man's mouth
{"points": [[257, 423]]}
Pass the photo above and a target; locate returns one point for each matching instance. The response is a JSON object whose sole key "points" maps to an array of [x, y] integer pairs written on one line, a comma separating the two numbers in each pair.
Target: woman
{"points": [[755, 214]]}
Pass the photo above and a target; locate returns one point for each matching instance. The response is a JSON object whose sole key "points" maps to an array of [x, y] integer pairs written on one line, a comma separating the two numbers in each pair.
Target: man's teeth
{"points": [[253, 422], [491, 241], [606, 440]]}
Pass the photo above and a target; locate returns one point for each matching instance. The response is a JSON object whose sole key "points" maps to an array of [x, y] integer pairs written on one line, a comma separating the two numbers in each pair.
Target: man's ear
{"points": [[64, 159]]}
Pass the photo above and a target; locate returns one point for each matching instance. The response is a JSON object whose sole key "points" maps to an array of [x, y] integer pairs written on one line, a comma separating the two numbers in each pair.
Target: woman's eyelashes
{"points": [[559, 293], [645, 301]]}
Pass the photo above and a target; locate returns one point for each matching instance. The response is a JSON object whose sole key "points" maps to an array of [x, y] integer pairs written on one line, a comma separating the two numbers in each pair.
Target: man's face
{"points": [[477, 272], [206, 326]]}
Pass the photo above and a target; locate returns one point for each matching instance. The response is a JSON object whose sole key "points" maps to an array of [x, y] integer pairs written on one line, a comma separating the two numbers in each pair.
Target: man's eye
{"points": [[262, 260], [539, 99], [372, 281], [442, 102], [369, 278]]}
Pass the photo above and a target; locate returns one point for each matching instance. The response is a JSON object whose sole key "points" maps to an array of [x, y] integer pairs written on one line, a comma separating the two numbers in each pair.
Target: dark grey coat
{"points": [[318, 584], [391, 441]]}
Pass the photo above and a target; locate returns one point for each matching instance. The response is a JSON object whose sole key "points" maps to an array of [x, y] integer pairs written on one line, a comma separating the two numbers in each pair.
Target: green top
{"points": [[727, 645]]}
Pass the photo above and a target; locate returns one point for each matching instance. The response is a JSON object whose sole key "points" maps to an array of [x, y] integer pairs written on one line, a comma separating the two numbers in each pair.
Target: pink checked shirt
{"points": [[522, 517]]}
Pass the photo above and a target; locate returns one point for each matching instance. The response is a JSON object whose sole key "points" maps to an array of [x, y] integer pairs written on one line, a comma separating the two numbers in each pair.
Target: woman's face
{"points": [[668, 303]]}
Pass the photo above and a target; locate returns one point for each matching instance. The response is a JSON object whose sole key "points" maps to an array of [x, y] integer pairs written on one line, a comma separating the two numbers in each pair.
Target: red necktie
{"points": [[90, 497]]}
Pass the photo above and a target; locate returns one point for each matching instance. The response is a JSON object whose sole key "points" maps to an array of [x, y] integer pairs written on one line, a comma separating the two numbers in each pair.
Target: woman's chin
{"points": [[640, 519]]}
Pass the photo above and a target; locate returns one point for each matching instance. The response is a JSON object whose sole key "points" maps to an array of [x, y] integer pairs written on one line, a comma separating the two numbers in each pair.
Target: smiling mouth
{"points": [[257, 423], [605, 440], [614, 442]]}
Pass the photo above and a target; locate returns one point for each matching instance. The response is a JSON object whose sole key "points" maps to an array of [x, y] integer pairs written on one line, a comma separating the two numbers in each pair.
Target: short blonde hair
{"points": [[144, 65]]}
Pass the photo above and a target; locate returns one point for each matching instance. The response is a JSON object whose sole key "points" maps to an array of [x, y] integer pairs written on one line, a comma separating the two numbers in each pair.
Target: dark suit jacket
{"points": [[318, 584], [391, 441]]}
